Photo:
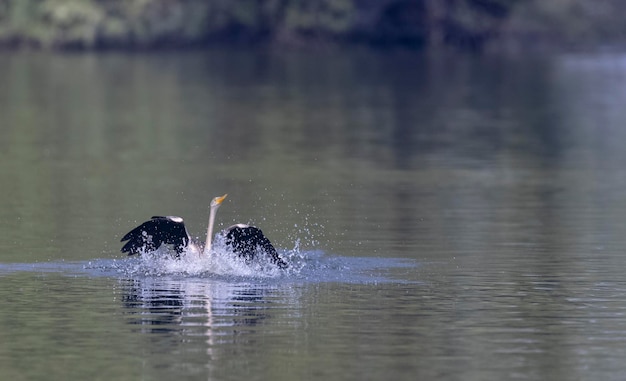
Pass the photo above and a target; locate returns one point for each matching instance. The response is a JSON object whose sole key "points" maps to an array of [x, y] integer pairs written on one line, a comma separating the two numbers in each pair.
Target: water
{"points": [[452, 218]]}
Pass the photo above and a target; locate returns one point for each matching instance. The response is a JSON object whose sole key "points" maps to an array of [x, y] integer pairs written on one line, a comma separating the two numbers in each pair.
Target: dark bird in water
{"points": [[244, 240]]}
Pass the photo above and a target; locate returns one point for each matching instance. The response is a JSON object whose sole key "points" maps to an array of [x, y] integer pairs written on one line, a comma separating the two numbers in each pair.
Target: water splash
{"points": [[305, 266], [221, 262]]}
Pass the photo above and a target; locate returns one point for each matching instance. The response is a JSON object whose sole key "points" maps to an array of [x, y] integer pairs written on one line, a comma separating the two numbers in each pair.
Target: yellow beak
{"points": [[218, 200]]}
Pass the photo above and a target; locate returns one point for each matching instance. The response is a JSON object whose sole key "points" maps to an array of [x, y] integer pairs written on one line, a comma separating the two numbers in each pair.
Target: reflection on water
{"points": [[220, 312], [456, 217], [197, 324]]}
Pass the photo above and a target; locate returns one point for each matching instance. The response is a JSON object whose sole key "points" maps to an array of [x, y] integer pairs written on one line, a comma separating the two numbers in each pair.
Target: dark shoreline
{"points": [[414, 25]]}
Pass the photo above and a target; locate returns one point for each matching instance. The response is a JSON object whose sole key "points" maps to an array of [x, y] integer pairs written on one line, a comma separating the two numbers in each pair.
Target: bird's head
{"points": [[217, 201]]}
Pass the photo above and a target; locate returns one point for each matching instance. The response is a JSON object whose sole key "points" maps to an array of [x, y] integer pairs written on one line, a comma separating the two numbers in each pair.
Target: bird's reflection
{"points": [[158, 307], [221, 311]]}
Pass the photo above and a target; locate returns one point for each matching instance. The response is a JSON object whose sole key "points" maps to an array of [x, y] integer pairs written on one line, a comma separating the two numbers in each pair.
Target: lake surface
{"points": [[444, 217]]}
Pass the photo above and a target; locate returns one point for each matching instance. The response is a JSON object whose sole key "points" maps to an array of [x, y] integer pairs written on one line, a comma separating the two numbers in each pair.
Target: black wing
{"points": [[150, 235], [246, 241]]}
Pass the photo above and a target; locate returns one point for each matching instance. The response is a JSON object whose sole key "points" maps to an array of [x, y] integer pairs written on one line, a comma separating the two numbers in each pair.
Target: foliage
{"points": [[571, 22], [151, 23]]}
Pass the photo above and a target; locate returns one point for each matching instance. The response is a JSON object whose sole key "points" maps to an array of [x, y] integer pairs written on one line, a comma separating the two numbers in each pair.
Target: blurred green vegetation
{"points": [[469, 24]]}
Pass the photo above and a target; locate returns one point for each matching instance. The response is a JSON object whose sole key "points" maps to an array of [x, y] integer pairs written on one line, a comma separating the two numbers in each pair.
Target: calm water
{"points": [[448, 218]]}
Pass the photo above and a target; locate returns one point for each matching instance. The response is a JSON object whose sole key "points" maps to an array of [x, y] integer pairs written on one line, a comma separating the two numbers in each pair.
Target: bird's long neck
{"points": [[209, 231]]}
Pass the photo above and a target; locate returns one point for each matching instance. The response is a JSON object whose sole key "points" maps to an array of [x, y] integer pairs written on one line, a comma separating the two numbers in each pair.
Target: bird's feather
{"points": [[155, 232]]}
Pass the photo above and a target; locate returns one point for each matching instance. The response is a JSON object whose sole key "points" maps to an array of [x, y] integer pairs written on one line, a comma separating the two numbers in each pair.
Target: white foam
{"points": [[221, 262]]}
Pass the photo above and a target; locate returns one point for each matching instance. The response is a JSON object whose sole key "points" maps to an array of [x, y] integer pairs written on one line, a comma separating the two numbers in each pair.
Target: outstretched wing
{"points": [[155, 232], [247, 241]]}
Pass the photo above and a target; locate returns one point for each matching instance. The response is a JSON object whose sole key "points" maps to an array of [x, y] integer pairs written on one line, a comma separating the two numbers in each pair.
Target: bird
{"points": [[244, 240]]}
